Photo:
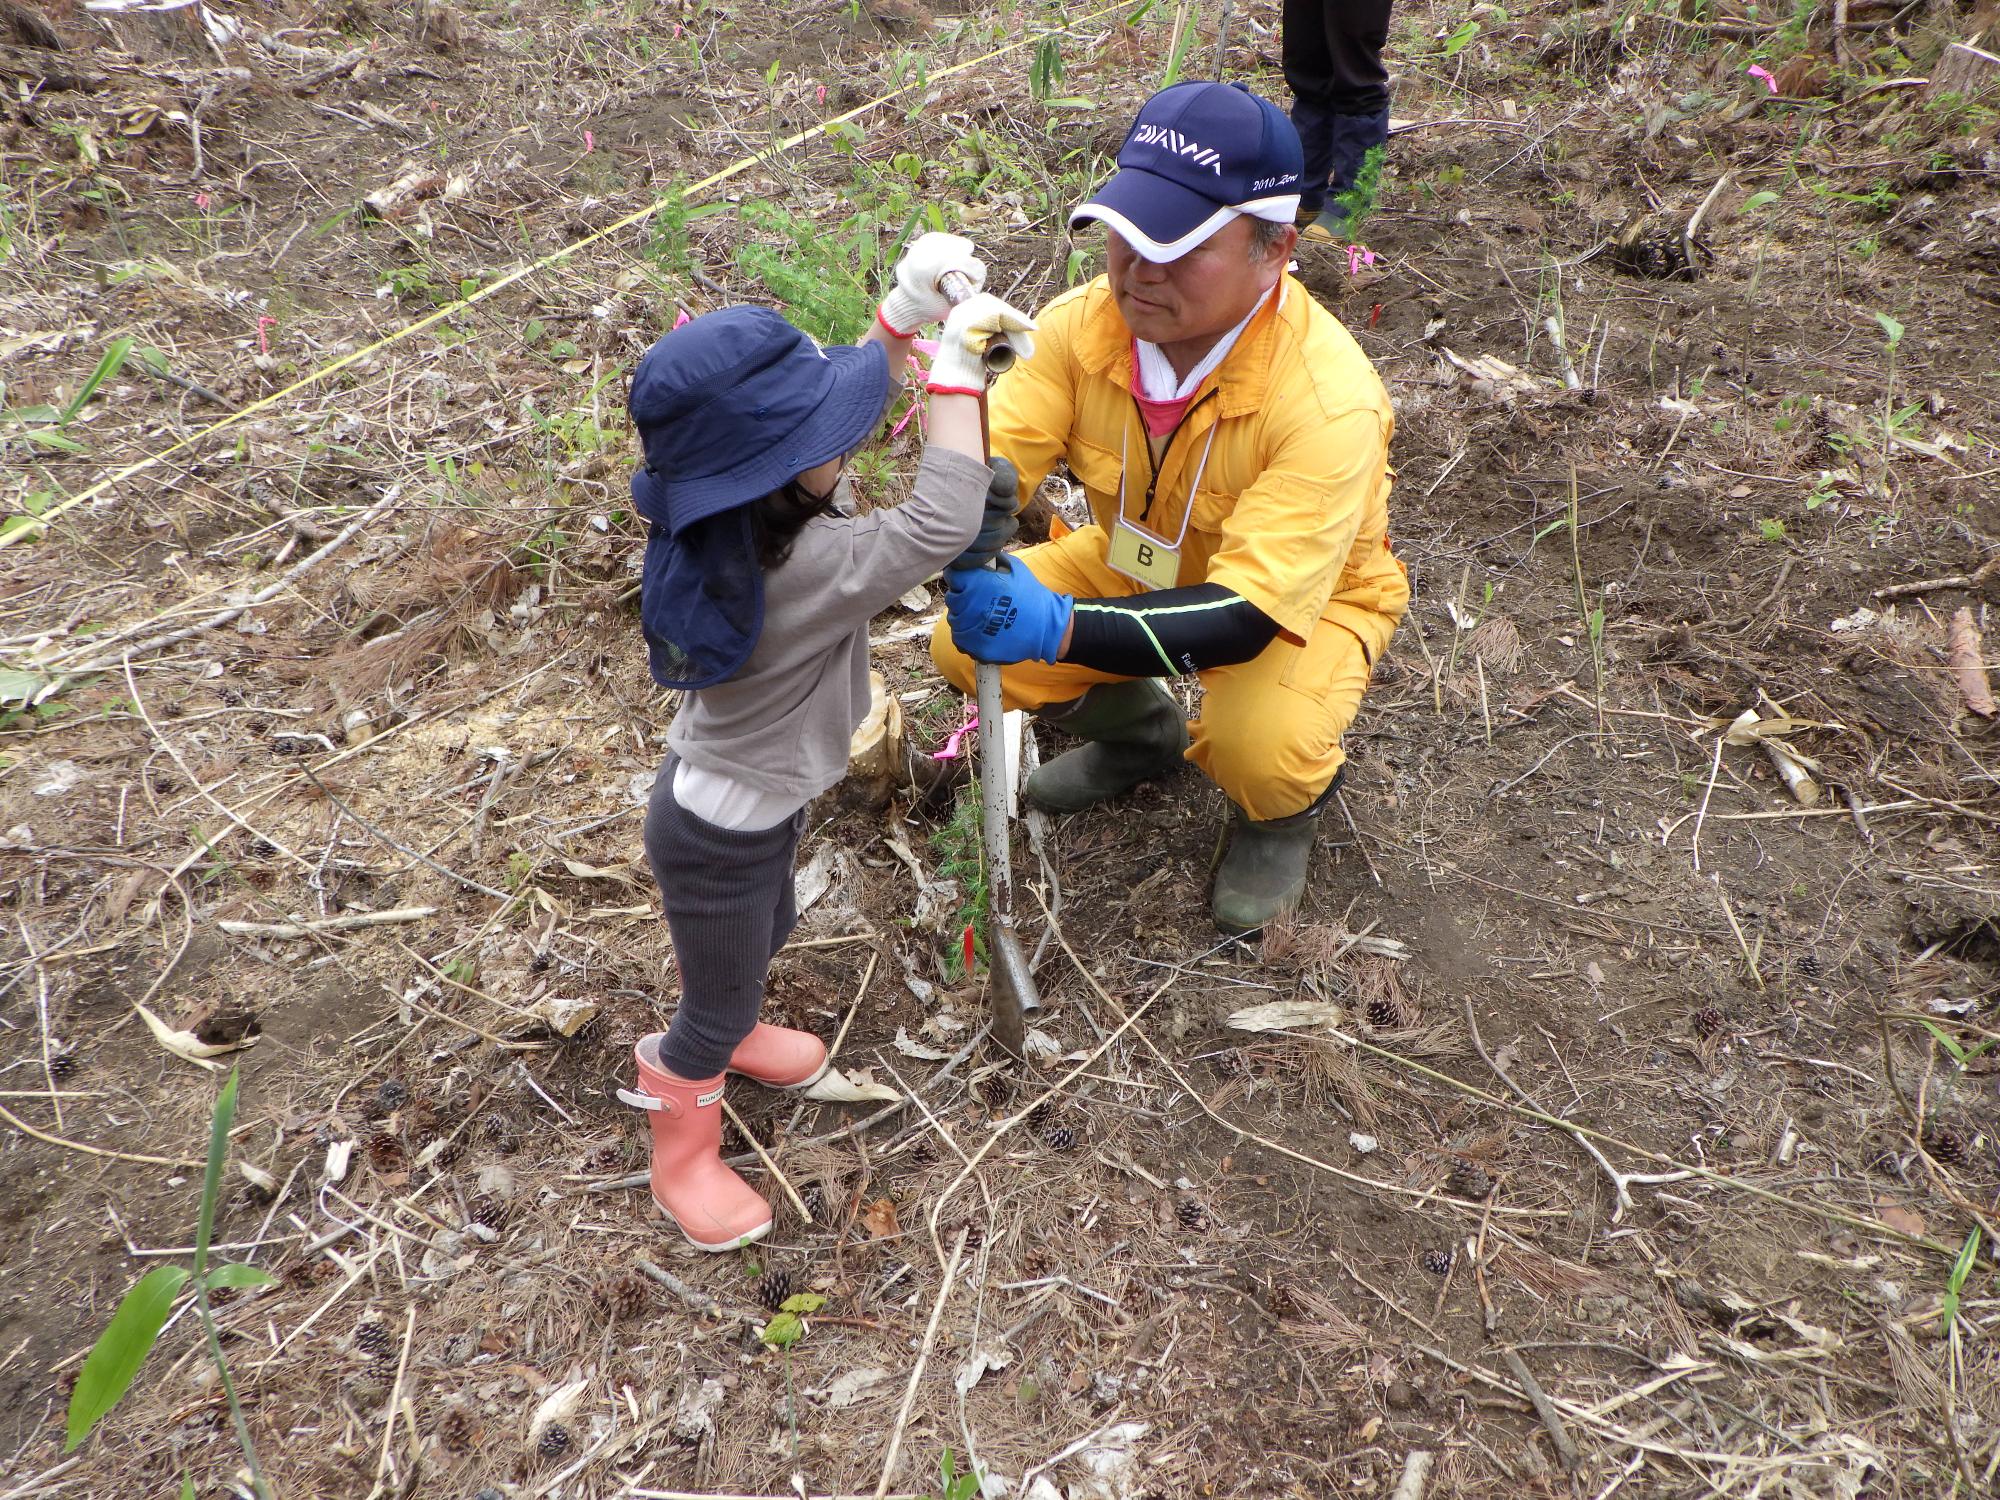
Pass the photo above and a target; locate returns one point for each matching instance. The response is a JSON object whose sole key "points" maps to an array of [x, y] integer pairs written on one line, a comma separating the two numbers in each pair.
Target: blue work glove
{"points": [[1001, 519], [1005, 614]]}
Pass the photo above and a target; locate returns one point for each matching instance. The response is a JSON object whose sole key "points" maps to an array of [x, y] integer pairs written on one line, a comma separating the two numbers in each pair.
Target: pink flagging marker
{"points": [[955, 745], [1765, 75], [264, 322]]}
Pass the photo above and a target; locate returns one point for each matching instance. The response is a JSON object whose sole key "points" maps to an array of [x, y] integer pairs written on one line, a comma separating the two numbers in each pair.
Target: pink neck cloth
{"points": [[1160, 417]]}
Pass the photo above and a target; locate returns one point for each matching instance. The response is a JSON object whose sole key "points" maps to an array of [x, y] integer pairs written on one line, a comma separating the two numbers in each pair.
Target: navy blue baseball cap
{"points": [[1198, 156], [732, 404]]}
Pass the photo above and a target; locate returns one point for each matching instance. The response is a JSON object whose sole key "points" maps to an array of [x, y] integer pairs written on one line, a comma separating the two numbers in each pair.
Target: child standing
{"points": [[756, 599]]}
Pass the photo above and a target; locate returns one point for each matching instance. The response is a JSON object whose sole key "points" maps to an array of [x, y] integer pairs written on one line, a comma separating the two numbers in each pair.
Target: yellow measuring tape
{"points": [[36, 525]]}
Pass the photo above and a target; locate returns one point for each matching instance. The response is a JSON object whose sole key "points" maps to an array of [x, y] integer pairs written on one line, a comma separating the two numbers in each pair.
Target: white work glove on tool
{"points": [[915, 300], [958, 368]]}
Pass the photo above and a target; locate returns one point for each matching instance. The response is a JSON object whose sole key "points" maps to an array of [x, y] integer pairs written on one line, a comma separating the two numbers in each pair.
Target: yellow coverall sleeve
{"points": [[1284, 544], [1031, 407]]}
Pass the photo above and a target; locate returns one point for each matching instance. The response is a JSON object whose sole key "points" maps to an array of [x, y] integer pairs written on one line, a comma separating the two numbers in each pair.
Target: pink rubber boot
{"points": [[714, 1208], [779, 1057]]}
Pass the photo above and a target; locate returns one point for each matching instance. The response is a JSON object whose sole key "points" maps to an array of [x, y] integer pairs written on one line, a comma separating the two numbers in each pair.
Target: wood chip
{"points": [[1962, 655]]}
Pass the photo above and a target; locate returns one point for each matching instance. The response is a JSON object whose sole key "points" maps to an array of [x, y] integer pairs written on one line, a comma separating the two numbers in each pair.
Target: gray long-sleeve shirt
{"points": [[783, 722]]}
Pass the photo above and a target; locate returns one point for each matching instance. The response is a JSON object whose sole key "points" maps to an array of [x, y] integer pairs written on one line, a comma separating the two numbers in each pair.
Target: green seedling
{"points": [[1960, 1053], [786, 1328], [1359, 201], [1771, 529], [953, 1485], [1954, 1288], [1045, 72], [1892, 336], [959, 850], [1184, 29], [115, 1359]]}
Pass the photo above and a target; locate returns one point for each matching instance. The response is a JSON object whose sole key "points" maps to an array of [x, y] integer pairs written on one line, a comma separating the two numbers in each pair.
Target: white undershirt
{"points": [[1157, 381], [729, 803]]}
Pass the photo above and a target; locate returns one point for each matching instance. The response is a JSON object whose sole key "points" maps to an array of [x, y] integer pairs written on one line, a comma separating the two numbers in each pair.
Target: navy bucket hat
{"points": [[1198, 156], [732, 404], [729, 407]]}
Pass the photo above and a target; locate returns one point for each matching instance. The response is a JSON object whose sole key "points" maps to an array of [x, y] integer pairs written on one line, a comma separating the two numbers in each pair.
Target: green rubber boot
{"points": [[1135, 731], [1263, 875]]}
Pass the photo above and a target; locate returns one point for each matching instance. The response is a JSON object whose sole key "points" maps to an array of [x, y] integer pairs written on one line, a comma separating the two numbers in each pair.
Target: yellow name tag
{"points": [[1143, 557]]}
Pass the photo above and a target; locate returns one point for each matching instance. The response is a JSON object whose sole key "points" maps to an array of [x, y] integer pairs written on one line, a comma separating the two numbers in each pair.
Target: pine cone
{"points": [[390, 1095], [62, 1065], [605, 1159], [1947, 1143], [501, 1132], [488, 1210], [1281, 1301], [374, 1340], [1807, 965], [773, 1287], [1232, 1064], [1467, 1180], [814, 1198], [449, 1154], [455, 1431], [1036, 1264], [1384, 1014], [1059, 1138], [385, 1152], [975, 1233], [922, 1152], [1437, 1262], [993, 1090], [1192, 1215], [555, 1441], [626, 1296], [1041, 1114], [1708, 1021]]}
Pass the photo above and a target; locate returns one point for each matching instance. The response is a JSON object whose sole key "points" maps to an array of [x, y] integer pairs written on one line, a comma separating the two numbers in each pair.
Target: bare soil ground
{"points": [[1260, 1263]]}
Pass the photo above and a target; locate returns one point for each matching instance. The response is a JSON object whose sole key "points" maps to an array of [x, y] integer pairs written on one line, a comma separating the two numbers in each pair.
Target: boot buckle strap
{"points": [[640, 1101]]}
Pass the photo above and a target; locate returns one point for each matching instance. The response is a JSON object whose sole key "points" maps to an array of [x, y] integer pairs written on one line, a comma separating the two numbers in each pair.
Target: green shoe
{"points": [[1264, 873], [1135, 731]]}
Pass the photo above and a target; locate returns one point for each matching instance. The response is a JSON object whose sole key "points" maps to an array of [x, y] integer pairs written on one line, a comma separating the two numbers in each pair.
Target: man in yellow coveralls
{"points": [[1233, 441]]}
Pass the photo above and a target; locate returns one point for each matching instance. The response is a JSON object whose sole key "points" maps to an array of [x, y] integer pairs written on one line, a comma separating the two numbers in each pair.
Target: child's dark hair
{"points": [[777, 519]]}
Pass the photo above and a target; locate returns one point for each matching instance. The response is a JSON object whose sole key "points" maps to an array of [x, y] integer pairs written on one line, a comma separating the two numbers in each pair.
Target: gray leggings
{"points": [[728, 897]]}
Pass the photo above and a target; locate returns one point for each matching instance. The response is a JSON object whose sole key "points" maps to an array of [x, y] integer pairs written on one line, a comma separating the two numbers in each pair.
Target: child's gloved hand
{"points": [[1005, 614], [914, 300], [957, 369], [1001, 519]]}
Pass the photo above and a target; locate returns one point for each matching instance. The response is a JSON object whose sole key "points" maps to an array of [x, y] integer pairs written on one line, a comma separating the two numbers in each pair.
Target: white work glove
{"points": [[958, 367], [914, 300]]}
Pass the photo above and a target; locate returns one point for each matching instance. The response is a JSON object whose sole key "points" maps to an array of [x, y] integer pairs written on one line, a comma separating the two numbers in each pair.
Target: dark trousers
{"points": [[729, 903], [1340, 90]]}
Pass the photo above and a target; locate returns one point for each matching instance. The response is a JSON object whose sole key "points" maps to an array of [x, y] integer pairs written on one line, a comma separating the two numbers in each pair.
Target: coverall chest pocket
{"points": [[1097, 470]]}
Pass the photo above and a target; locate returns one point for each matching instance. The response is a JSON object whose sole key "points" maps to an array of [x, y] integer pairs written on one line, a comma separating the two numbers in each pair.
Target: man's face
{"points": [[1203, 295]]}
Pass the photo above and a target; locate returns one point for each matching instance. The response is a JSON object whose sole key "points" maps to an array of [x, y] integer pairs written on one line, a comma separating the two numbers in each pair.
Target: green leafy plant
{"points": [[786, 1328], [1771, 529], [1892, 337], [1184, 29], [825, 277], [1460, 39], [1359, 201], [1045, 72], [1954, 1290], [960, 850], [1960, 1053], [46, 425], [115, 1359], [953, 1485]]}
